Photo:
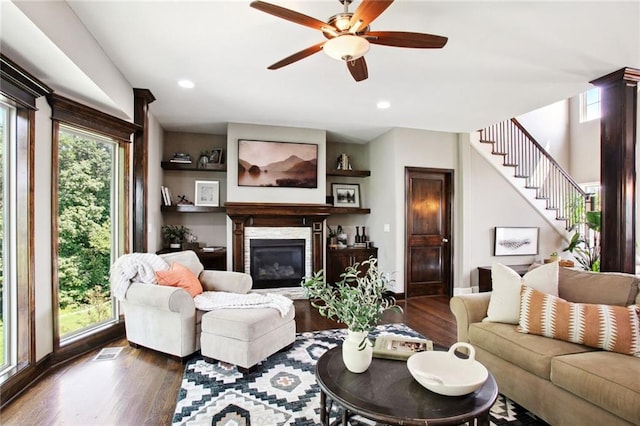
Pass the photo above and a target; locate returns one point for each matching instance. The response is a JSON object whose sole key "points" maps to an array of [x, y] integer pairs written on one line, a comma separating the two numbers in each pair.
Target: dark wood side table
{"points": [[387, 393], [484, 275]]}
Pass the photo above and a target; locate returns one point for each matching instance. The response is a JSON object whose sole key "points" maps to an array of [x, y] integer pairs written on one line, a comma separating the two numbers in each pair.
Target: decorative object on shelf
{"points": [[181, 157], [174, 235], [358, 301], [553, 257], [360, 240], [516, 241], [346, 194], [332, 238], [166, 195], [277, 164], [207, 193], [216, 156], [343, 162], [341, 237], [203, 160], [184, 201]]}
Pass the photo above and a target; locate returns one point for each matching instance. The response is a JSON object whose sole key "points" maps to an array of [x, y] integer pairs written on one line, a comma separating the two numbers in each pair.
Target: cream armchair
{"points": [[165, 318]]}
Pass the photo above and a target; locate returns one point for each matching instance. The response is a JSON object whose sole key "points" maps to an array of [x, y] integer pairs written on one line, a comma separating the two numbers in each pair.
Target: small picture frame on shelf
{"points": [[346, 195], [216, 156], [207, 193]]}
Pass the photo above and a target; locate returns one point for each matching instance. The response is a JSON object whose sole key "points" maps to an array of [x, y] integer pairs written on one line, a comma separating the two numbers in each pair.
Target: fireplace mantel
{"points": [[273, 215]]}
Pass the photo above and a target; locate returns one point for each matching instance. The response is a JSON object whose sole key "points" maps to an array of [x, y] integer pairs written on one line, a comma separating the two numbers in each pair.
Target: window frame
{"points": [[66, 112], [20, 90]]}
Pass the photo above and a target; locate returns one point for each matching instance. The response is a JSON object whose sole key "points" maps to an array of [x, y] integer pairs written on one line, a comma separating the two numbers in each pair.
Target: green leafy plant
{"points": [[358, 300], [586, 248], [175, 233]]}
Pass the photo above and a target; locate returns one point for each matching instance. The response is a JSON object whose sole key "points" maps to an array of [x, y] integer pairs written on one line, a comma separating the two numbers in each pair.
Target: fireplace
{"points": [[277, 262], [272, 221]]}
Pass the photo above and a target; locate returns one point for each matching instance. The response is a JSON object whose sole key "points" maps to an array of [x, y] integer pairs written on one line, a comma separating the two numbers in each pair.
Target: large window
{"points": [[89, 191]]}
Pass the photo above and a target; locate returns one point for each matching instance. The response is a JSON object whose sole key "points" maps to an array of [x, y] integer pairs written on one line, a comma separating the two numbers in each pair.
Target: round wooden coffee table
{"points": [[387, 393]]}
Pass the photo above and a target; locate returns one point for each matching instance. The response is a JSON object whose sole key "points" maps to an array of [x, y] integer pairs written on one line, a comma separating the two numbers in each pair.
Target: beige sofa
{"points": [[562, 383]]}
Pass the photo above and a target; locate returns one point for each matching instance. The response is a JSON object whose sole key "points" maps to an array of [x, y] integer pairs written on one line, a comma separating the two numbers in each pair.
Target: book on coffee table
{"points": [[400, 348]]}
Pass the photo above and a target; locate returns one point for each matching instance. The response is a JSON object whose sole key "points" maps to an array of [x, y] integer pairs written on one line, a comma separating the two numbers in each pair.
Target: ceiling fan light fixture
{"points": [[346, 47]]}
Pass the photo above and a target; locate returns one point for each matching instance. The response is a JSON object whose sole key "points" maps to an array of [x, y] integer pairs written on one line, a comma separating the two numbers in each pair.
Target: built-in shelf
{"points": [[349, 173], [190, 208], [349, 210], [168, 165]]}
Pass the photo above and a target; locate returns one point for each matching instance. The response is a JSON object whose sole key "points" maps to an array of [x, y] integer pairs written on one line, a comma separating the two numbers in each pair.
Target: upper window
{"points": [[590, 105]]}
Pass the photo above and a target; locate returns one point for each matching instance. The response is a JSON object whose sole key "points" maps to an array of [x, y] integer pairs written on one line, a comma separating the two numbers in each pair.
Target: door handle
{"points": [[445, 240]]}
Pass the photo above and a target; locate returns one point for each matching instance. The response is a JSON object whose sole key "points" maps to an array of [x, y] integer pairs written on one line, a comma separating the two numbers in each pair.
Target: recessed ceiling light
{"points": [[383, 104], [187, 84]]}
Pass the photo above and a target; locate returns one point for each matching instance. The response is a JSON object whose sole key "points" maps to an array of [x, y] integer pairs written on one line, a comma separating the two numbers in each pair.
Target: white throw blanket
{"points": [[210, 300], [140, 267]]}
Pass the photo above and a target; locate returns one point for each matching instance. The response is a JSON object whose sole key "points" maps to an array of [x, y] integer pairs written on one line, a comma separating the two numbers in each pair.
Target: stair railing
{"points": [[542, 173]]}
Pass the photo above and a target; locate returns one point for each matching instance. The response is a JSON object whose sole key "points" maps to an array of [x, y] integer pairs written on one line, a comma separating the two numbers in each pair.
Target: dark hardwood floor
{"points": [[140, 386]]}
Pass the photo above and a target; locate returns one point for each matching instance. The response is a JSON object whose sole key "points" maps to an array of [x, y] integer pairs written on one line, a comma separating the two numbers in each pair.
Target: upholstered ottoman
{"points": [[245, 337]]}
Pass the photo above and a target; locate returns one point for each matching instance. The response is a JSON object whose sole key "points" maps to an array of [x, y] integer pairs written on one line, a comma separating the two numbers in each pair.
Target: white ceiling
{"points": [[503, 59]]}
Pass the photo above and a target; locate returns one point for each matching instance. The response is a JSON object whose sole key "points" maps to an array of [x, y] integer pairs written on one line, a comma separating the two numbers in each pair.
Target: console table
{"points": [[484, 275]]}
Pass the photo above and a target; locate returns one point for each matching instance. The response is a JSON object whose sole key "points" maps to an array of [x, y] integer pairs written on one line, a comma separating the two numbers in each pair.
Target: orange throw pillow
{"points": [[608, 327], [180, 276]]}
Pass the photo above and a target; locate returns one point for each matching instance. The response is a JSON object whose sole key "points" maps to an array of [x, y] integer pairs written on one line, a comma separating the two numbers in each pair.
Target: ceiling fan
{"points": [[348, 34]]}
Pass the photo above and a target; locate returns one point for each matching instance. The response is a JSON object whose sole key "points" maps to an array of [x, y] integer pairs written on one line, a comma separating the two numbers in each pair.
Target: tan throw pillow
{"points": [[608, 327], [504, 305]]}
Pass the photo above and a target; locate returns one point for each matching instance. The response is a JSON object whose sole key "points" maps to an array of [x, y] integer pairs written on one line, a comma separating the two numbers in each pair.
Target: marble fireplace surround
{"points": [[263, 215]]}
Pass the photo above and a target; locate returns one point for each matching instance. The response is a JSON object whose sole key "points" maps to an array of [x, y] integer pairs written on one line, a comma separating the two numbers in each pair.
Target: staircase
{"points": [[559, 198]]}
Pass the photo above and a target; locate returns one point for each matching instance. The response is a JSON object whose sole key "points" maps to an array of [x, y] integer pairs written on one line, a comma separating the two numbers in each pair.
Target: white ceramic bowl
{"points": [[446, 374]]}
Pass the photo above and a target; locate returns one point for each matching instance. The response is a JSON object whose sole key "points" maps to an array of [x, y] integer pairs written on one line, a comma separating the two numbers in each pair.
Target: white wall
{"points": [[154, 175], [585, 146], [550, 127]]}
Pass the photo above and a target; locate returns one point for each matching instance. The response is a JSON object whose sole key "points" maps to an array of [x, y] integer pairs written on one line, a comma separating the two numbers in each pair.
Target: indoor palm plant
{"points": [[358, 300]]}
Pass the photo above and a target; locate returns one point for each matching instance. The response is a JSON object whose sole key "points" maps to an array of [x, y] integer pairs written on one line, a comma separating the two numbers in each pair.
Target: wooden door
{"points": [[428, 212]]}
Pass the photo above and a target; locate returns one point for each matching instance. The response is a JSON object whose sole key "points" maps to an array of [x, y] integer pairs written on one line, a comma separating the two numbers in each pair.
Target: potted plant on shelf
{"points": [[358, 301], [175, 235]]}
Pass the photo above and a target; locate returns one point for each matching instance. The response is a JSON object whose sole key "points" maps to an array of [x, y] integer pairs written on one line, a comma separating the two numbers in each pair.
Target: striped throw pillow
{"points": [[608, 327]]}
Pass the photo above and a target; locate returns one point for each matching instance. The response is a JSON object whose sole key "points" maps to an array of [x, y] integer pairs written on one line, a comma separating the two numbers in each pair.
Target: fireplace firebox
{"points": [[277, 262]]}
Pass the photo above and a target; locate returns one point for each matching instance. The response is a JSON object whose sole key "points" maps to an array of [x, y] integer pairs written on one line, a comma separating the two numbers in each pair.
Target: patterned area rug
{"points": [[282, 390]]}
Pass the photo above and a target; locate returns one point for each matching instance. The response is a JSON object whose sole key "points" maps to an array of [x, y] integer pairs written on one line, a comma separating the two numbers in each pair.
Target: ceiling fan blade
{"points": [[297, 56], [358, 69], [406, 39], [367, 11], [290, 15]]}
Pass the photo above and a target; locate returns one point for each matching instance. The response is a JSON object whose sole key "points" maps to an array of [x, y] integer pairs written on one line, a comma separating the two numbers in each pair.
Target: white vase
{"points": [[355, 359]]}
